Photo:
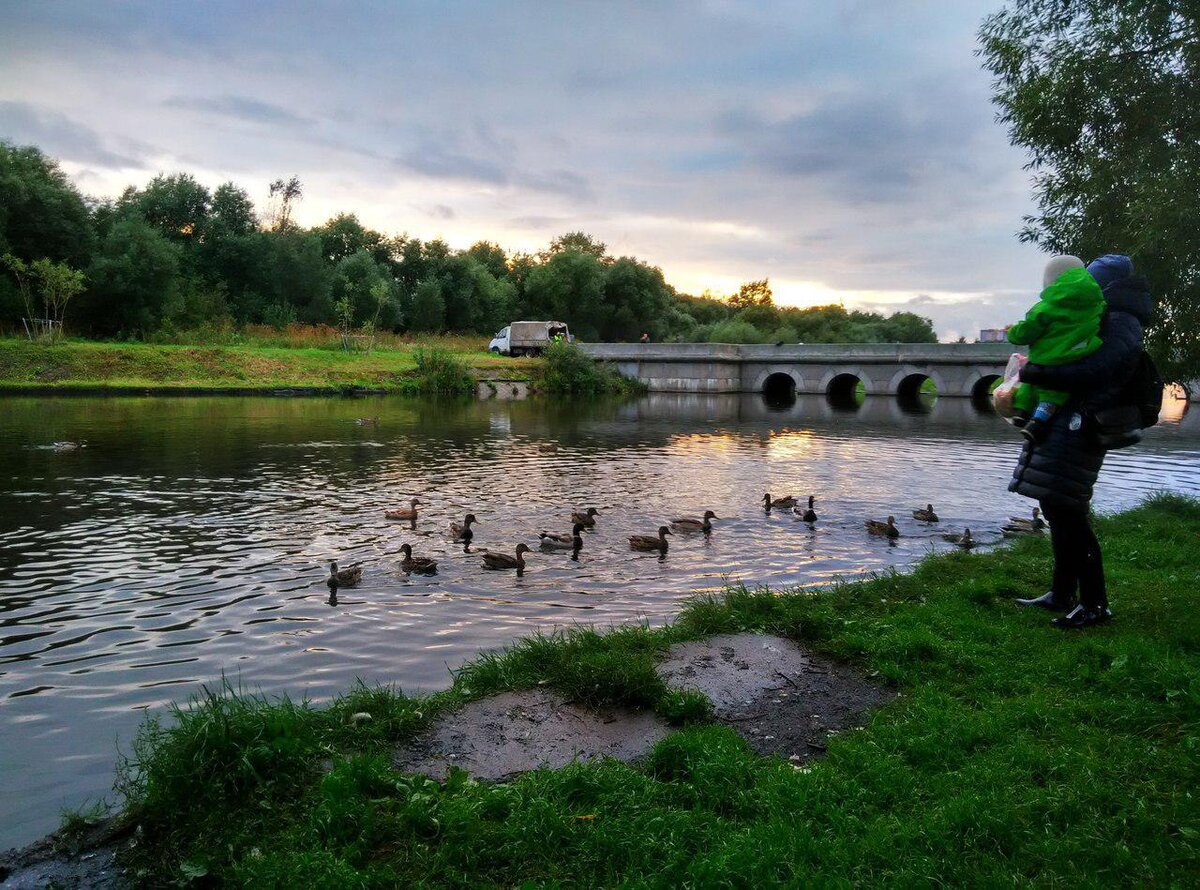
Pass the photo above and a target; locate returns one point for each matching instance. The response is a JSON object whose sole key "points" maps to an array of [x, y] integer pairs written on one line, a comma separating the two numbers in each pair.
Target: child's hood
{"points": [[1075, 290]]}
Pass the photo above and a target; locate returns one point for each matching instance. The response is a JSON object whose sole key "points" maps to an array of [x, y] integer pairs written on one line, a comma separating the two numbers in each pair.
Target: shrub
{"points": [[568, 370], [440, 372]]}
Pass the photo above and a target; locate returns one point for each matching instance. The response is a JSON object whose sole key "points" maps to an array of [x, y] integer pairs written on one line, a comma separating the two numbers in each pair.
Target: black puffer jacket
{"points": [[1062, 469]]}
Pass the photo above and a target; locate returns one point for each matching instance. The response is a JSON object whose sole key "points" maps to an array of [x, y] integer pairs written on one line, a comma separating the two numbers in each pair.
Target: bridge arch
{"points": [[911, 392], [778, 379], [841, 387], [978, 387], [780, 386]]}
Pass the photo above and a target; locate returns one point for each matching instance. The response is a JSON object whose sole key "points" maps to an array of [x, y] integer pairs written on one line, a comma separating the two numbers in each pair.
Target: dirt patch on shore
{"points": [[87, 861], [781, 699]]}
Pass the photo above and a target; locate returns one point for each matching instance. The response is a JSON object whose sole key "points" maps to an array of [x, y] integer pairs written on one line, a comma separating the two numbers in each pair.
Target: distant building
{"points": [[992, 335]]}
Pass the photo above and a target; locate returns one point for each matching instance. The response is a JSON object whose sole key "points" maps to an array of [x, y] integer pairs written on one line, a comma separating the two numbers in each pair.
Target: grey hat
{"points": [[1058, 265]]}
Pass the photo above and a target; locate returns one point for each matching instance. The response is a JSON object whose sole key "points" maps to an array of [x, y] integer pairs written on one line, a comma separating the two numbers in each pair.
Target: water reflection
{"points": [[193, 536]]}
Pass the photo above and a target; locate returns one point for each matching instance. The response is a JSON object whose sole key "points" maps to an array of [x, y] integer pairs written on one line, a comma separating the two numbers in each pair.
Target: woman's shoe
{"points": [[1083, 616], [1050, 600]]}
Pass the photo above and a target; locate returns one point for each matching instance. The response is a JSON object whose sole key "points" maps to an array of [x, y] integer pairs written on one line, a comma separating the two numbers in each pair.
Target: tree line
{"points": [[175, 256]]}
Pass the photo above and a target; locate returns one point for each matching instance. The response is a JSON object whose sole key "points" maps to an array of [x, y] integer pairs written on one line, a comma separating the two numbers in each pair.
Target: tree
{"points": [[283, 195], [176, 205], [753, 293], [42, 214], [570, 287], [428, 312], [134, 275], [580, 241], [232, 212], [1104, 98], [58, 284]]}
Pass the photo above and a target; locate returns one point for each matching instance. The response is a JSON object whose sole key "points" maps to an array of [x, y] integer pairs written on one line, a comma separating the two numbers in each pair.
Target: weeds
{"points": [[440, 372], [568, 370]]}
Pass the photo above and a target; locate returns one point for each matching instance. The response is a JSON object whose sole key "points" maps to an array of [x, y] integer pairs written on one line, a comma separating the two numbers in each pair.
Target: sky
{"points": [[847, 150]]}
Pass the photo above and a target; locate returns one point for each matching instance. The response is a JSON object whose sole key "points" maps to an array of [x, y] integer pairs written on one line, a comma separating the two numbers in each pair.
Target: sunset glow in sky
{"points": [[846, 150]]}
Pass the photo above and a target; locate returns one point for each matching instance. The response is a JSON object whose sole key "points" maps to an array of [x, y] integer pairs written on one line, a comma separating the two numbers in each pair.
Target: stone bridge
{"points": [[956, 369]]}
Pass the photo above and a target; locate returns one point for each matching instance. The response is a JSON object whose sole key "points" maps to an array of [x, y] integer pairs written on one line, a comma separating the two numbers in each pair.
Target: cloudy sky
{"points": [[845, 149]]}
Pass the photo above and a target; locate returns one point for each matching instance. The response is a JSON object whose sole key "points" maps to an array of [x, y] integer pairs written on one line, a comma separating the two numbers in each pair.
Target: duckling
{"points": [[695, 525], [346, 577], [588, 519], [1035, 524], [809, 515], [875, 527], [964, 540], [926, 515], [417, 565], [500, 561], [409, 514], [547, 447], [573, 541], [788, 501], [646, 543]]}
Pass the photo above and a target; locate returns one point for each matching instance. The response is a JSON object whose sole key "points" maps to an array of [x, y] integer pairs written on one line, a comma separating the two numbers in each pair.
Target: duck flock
{"points": [[585, 520]]}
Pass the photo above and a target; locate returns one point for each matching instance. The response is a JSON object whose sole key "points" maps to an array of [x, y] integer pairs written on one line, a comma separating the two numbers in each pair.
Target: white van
{"points": [[529, 337]]}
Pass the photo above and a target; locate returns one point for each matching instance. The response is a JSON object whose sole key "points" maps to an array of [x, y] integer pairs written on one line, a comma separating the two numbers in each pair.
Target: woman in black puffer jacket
{"points": [[1060, 471]]}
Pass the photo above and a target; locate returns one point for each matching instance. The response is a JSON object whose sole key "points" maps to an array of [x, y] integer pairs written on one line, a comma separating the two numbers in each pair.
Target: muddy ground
{"points": [[781, 699]]}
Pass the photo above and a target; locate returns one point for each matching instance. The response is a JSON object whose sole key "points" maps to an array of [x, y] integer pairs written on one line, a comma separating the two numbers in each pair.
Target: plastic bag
{"points": [[1002, 395]]}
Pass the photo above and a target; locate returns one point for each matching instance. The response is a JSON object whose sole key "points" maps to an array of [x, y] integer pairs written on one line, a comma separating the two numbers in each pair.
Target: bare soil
{"points": [[781, 699]]}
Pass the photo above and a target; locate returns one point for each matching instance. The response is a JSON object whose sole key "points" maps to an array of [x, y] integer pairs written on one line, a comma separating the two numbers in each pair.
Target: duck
{"points": [[809, 515], [1035, 524], [346, 577], [417, 565], [68, 446], [788, 501], [573, 541], [695, 525], [586, 519], [647, 543], [409, 514], [462, 529], [876, 527], [548, 448], [964, 540], [366, 421], [499, 561], [926, 515]]}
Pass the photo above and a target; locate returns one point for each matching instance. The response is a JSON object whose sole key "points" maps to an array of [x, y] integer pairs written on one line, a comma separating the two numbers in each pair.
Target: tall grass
{"points": [[440, 372], [321, 336]]}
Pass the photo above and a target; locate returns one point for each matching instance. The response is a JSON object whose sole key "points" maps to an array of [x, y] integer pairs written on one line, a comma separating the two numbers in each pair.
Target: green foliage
{"points": [[753, 293], [567, 370], [42, 214], [133, 276], [1103, 96], [439, 371]]}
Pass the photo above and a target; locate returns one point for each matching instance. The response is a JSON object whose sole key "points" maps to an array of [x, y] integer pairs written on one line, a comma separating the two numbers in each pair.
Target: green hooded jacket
{"points": [[1064, 324]]}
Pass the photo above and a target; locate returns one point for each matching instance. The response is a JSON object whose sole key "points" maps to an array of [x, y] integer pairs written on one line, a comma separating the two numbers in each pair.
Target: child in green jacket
{"points": [[1063, 326]]}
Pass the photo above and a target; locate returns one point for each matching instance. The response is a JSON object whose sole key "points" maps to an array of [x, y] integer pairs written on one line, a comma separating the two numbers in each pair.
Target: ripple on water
{"points": [[191, 538]]}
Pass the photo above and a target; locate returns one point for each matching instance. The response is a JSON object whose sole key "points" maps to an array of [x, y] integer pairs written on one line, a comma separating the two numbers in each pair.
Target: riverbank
{"points": [[102, 367], [1012, 753]]}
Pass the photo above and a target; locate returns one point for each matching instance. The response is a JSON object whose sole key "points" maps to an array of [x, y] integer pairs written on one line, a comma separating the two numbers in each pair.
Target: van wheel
{"points": [[495, 350]]}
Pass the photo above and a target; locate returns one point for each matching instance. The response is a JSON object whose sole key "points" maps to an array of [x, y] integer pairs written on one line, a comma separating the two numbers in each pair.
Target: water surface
{"points": [[189, 538]]}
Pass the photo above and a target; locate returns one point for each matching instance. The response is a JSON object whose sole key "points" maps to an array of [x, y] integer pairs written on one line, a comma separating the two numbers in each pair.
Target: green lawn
{"points": [[1015, 754], [139, 366]]}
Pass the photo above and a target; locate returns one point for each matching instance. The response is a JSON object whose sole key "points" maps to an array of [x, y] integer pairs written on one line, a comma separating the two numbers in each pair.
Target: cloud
{"points": [[58, 135], [240, 108]]}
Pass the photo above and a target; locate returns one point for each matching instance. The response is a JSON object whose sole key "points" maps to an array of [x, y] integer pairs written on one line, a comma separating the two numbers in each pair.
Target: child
{"points": [[1063, 326]]}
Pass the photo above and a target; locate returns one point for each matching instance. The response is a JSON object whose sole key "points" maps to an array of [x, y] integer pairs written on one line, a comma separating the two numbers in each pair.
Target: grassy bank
{"points": [[254, 366], [1015, 754]]}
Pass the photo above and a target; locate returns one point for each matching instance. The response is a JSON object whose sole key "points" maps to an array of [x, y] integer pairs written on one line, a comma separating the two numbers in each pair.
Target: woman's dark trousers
{"points": [[1077, 560]]}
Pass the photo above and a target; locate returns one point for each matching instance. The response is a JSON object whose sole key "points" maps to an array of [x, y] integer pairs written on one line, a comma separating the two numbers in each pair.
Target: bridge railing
{"points": [[825, 353]]}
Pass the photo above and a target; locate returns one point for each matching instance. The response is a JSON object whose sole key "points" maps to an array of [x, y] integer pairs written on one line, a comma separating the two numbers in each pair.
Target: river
{"points": [[190, 537]]}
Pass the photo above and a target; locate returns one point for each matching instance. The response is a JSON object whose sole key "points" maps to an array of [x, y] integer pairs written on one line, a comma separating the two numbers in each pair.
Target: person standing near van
{"points": [[1060, 471]]}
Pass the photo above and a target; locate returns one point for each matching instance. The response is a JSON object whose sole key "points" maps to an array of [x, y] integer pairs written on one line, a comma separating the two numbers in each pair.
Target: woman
{"points": [[1060, 471]]}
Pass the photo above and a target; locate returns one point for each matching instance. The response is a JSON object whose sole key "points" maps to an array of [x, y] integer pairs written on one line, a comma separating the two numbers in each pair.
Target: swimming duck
{"points": [[366, 421], [788, 501], [926, 515], [346, 577], [573, 541], [1035, 524], [809, 515], [500, 561], [417, 565], [964, 540], [647, 543], [461, 529], [409, 514], [695, 525], [588, 519], [875, 527]]}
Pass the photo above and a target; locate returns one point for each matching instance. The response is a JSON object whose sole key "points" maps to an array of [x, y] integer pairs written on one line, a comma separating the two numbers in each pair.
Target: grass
{"points": [[1015, 754], [139, 366]]}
